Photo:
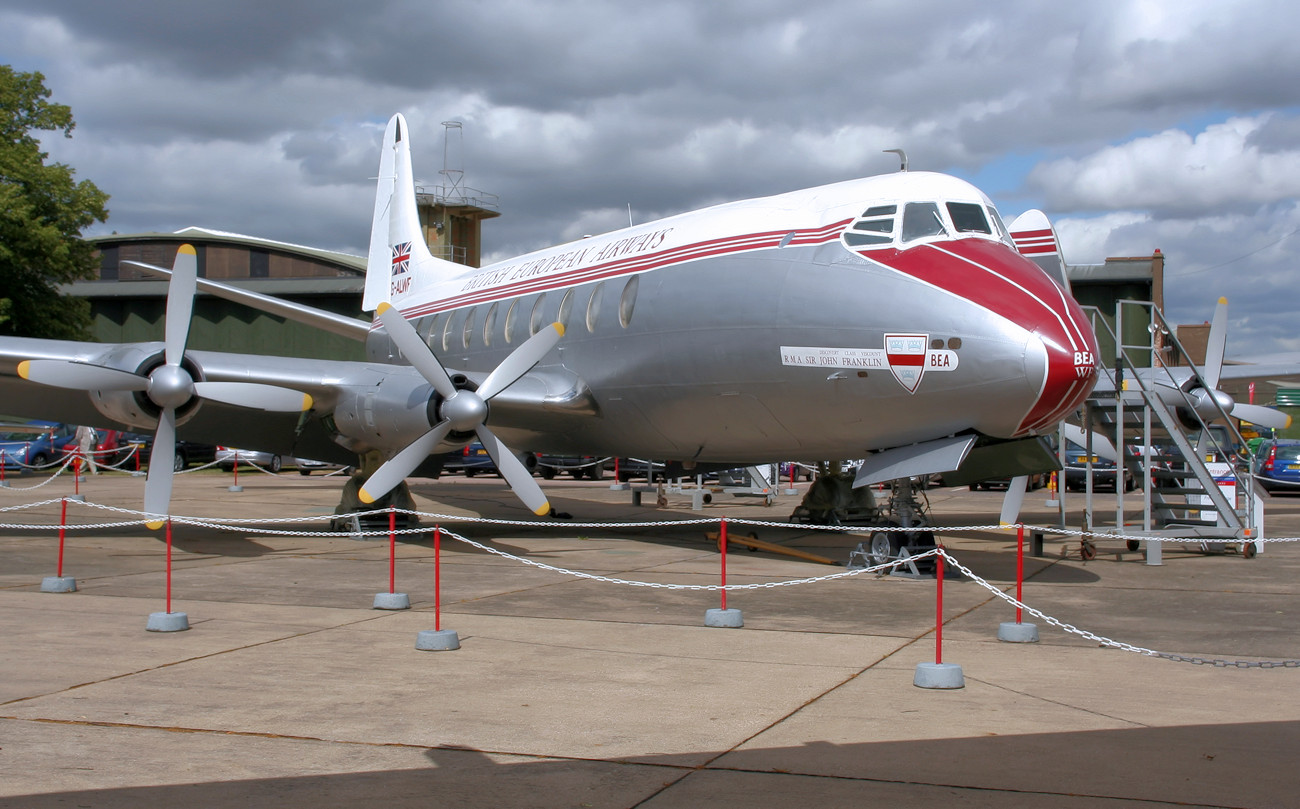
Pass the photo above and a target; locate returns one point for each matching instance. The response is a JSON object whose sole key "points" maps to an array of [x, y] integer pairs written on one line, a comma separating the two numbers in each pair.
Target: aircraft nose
{"points": [[1067, 364]]}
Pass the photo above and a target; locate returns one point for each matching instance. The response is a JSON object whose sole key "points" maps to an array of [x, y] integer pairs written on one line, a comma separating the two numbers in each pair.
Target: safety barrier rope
{"points": [[263, 526]]}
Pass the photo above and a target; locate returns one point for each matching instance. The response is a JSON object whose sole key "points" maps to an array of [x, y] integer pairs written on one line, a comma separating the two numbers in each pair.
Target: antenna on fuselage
{"points": [[902, 155]]}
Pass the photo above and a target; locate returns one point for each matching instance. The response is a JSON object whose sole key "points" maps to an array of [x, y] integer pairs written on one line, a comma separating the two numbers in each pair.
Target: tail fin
{"points": [[1036, 239], [400, 261]]}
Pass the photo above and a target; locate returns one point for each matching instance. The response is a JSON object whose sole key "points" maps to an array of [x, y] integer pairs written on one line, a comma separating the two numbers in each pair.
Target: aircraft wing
{"points": [[545, 399]]}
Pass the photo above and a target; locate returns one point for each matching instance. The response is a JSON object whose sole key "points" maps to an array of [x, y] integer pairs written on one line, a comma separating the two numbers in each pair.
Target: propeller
{"points": [[461, 410], [1203, 399], [169, 386]]}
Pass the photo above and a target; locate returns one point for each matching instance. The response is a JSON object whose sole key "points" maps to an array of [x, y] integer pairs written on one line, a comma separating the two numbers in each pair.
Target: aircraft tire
{"points": [[884, 547]]}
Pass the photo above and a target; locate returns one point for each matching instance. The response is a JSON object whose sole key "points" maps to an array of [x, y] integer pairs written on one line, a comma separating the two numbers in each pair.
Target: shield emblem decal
{"points": [[906, 354]]}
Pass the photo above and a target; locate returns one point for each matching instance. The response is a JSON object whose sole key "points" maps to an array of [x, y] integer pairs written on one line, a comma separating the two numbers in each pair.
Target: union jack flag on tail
{"points": [[401, 258]]}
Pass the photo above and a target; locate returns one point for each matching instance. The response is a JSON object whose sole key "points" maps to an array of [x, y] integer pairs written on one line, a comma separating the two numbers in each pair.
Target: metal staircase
{"points": [[1192, 485]]}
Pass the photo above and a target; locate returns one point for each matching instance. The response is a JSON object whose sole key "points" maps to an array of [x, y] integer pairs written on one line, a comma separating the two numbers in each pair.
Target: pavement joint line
{"points": [[1060, 704], [210, 655]]}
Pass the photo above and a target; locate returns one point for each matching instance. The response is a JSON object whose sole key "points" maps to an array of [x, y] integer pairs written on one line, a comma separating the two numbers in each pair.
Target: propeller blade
{"points": [[408, 341], [1261, 415], [80, 375], [520, 361], [180, 303], [255, 395], [158, 485], [1100, 443], [1015, 497], [397, 468], [1216, 345], [512, 469]]}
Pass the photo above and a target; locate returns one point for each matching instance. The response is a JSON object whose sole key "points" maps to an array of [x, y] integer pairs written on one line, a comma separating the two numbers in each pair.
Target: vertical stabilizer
{"points": [[400, 264], [1035, 238]]}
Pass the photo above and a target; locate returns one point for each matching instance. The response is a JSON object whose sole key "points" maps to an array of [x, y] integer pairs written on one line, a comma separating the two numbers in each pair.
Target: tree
{"points": [[42, 213]]}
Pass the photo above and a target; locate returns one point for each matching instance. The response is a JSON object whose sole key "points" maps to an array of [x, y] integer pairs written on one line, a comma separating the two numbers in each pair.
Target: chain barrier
{"points": [[236, 524], [1114, 644]]}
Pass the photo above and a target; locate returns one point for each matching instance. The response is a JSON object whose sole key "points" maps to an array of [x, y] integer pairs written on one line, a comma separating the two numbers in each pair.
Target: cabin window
{"points": [[593, 306], [446, 331], [875, 226], [510, 320], [538, 317], [628, 301], [431, 335], [489, 325], [968, 217], [922, 219], [566, 308], [468, 330]]}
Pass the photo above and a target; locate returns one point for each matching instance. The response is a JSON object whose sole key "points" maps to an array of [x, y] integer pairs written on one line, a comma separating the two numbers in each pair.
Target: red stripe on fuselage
{"points": [[992, 275], [695, 251]]}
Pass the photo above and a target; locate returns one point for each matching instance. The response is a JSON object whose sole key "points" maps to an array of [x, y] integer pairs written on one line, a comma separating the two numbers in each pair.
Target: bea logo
{"points": [[1084, 363]]}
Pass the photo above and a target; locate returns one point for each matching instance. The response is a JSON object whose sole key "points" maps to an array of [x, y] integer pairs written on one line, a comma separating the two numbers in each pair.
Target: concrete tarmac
{"points": [[289, 690]]}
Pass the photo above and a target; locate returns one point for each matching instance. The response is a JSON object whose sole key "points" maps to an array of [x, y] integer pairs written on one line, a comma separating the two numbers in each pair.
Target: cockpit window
{"points": [[875, 226], [1003, 234], [921, 219], [968, 217]]}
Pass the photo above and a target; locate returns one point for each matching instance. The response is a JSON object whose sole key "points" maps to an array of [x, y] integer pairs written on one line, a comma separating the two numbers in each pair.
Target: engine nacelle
{"points": [[388, 414], [134, 408]]}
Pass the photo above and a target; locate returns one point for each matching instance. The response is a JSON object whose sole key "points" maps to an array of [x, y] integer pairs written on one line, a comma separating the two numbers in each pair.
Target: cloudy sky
{"points": [[1135, 124]]}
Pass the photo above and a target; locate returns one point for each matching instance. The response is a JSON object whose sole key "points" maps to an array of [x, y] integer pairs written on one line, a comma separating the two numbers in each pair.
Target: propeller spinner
{"points": [[169, 386], [462, 410]]}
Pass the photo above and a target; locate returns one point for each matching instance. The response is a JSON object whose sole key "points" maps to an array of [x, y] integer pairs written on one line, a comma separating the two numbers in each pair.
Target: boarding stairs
{"points": [[1192, 480]]}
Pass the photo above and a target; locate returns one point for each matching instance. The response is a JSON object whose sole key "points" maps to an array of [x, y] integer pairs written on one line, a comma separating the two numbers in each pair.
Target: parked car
{"points": [[307, 465], [1103, 470], [34, 443], [227, 457], [471, 460], [580, 466], [1277, 465], [187, 452]]}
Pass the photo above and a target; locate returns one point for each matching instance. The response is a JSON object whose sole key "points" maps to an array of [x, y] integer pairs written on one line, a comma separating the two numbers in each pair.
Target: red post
{"points": [[63, 521], [1020, 569], [616, 469], [135, 450], [235, 468], [792, 468], [938, 622], [76, 474], [392, 550], [437, 578], [169, 566], [722, 546]]}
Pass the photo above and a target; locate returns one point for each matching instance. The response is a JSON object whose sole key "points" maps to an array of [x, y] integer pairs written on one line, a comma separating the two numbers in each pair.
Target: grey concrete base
{"points": [[234, 488], [167, 622], [620, 487], [392, 601], [727, 619], [437, 640], [1012, 632], [80, 498], [58, 584], [938, 675]]}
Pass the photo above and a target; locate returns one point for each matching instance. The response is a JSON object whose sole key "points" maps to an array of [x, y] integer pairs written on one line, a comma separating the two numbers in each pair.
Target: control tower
{"points": [[451, 213]]}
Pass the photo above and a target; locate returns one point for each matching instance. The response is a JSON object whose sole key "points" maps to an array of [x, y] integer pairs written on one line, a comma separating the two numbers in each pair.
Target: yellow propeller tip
{"points": [[559, 327], [384, 306], [307, 401], [1288, 423], [365, 496], [24, 367], [1222, 299], [154, 525], [544, 510], [188, 249]]}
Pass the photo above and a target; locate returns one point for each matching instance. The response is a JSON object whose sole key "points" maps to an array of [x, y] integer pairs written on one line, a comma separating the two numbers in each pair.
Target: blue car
{"points": [[35, 444], [1277, 465]]}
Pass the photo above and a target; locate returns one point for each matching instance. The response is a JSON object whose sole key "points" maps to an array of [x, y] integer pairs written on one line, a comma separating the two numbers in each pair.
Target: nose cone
{"points": [[1067, 368]]}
